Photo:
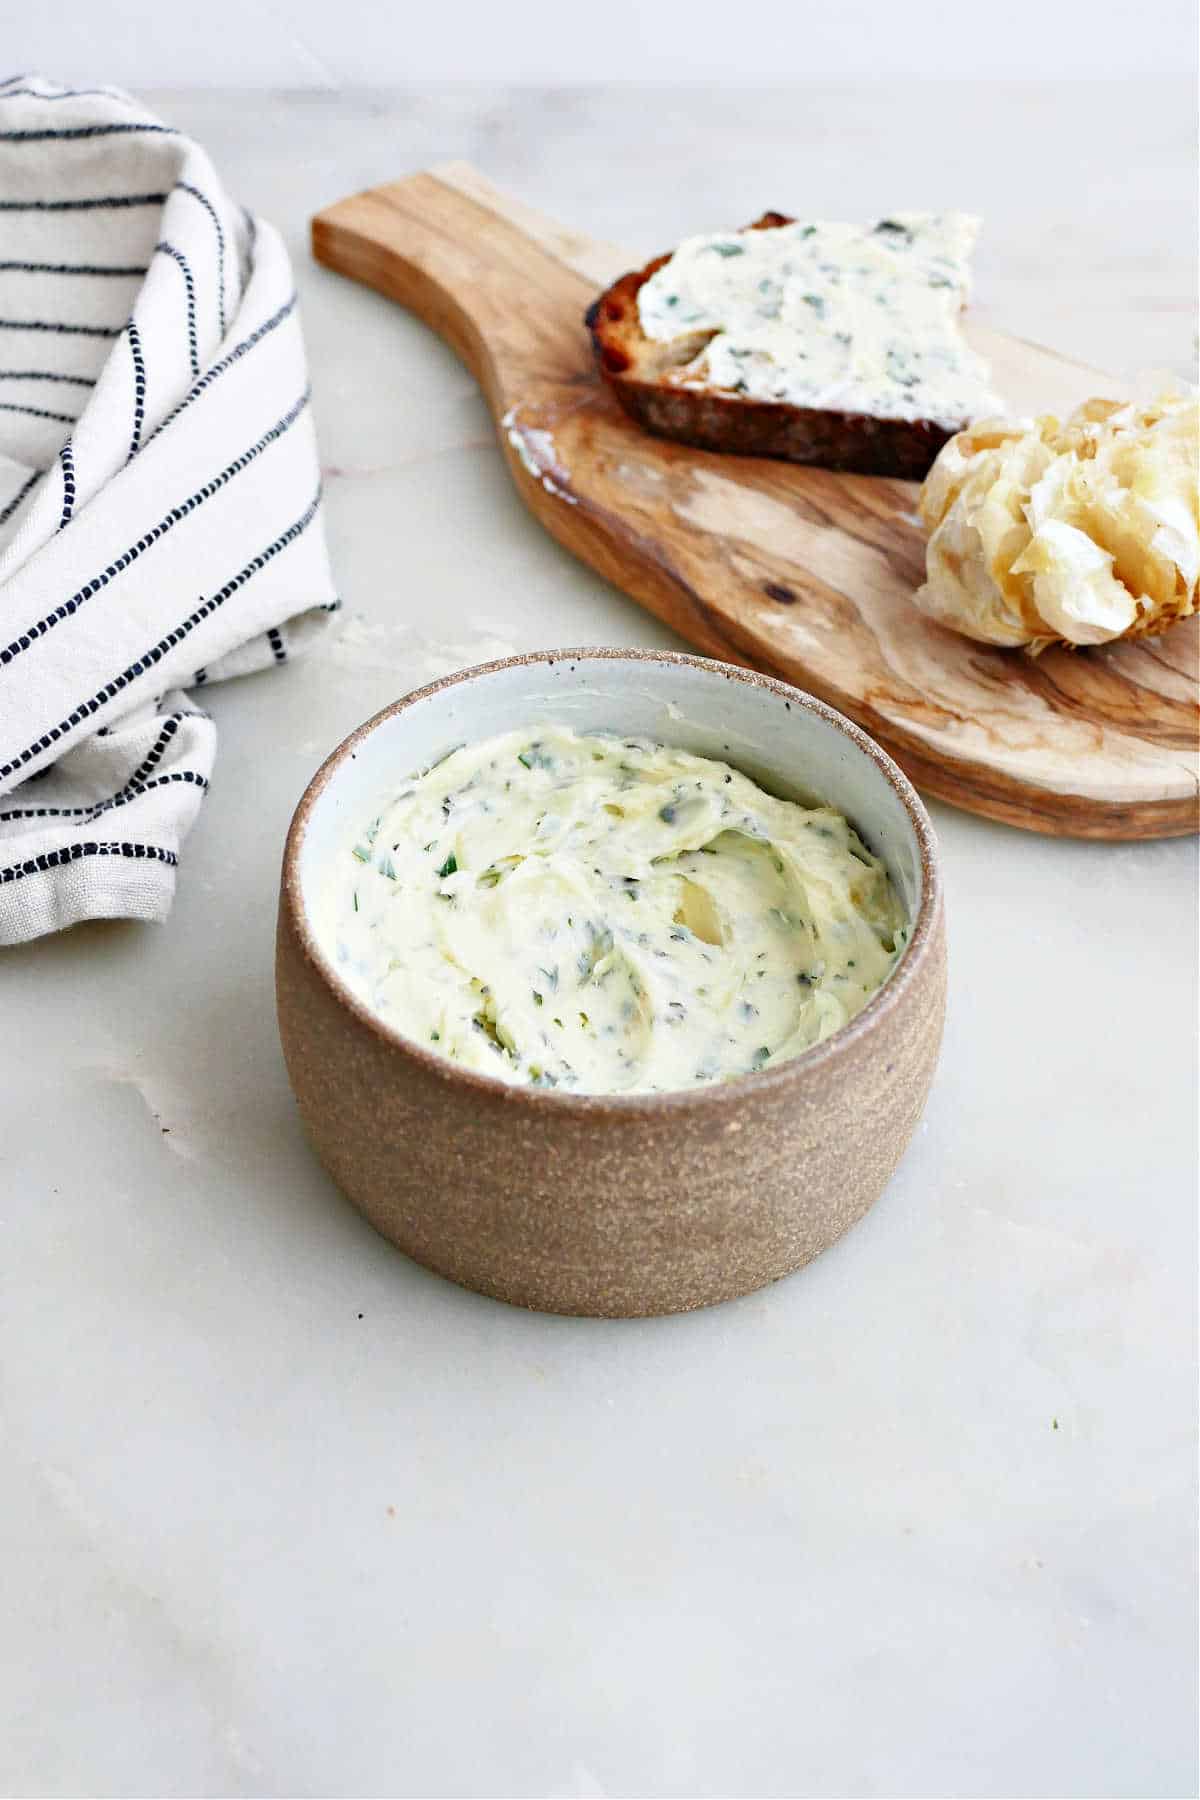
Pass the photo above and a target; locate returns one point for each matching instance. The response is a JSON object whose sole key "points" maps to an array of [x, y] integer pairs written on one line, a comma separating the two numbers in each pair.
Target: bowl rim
{"points": [[717, 1095]]}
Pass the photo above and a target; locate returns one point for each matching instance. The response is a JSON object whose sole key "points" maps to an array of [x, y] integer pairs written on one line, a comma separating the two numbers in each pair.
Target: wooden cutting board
{"points": [[798, 571]]}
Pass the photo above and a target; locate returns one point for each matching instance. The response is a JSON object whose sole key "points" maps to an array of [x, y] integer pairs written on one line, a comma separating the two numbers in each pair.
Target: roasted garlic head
{"points": [[1044, 533]]}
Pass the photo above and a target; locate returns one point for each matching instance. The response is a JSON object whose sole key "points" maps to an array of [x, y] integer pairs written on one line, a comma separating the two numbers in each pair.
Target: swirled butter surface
{"points": [[607, 915], [852, 318]]}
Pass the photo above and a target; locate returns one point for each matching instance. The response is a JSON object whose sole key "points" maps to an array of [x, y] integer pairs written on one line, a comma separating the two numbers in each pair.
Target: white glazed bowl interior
{"points": [[795, 747]]}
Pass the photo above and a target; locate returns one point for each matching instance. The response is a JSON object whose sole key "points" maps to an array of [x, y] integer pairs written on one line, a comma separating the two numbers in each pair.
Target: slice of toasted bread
{"points": [[640, 372]]}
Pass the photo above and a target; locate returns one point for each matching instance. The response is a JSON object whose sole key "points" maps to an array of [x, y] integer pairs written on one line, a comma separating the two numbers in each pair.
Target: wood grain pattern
{"points": [[801, 572]]}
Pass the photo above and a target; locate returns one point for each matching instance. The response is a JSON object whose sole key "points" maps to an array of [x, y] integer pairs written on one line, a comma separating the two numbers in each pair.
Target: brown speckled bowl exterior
{"points": [[608, 1205]]}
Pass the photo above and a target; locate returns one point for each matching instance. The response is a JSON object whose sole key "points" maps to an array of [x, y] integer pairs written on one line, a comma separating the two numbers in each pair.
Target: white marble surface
{"points": [[310, 44], [280, 1513]]}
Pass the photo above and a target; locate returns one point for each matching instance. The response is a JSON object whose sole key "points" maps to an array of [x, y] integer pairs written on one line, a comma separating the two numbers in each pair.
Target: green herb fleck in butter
{"points": [[849, 318], [608, 915]]}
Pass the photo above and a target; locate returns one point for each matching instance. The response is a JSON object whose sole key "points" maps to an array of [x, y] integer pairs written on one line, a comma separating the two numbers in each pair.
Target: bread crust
{"points": [[636, 368]]}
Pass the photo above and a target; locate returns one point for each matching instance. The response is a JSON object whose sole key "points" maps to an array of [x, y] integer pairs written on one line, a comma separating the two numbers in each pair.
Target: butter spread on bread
{"points": [[819, 343], [854, 318]]}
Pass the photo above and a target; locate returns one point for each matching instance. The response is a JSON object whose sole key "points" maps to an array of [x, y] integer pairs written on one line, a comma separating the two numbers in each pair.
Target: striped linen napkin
{"points": [[160, 523]]}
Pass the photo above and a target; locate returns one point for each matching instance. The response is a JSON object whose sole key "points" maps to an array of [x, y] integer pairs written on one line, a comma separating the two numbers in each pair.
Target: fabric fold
{"points": [[160, 498]]}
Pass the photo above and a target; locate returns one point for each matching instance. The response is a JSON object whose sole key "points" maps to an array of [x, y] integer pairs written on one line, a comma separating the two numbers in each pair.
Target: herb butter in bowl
{"points": [[610, 982], [607, 914]]}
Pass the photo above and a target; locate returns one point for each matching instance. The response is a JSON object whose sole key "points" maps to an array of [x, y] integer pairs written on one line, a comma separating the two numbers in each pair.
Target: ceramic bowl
{"points": [[613, 1205]]}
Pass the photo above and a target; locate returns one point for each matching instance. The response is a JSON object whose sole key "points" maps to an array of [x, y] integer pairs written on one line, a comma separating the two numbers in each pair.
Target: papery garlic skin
{"points": [[1042, 532]]}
